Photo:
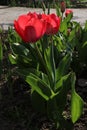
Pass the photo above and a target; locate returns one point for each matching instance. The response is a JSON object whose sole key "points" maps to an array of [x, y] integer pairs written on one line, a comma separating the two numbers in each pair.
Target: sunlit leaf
{"points": [[63, 86], [69, 17], [63, 27], [50, 63], [12, 59], [76, 102], [60, 83], [63, 67], [19, 49], [36, 83]]}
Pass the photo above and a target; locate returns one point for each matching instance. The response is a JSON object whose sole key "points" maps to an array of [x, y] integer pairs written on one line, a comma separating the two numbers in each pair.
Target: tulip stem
{"points": [[42, 61], [40, 56], [62, 16]]}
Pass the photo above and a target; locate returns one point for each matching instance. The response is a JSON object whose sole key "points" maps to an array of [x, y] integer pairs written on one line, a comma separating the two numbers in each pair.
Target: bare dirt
{"points": [[16, 112]]}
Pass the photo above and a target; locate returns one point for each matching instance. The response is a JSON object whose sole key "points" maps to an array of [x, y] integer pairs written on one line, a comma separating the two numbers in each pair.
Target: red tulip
{"points": [[30, 27], [68, 11], [62, 6], [53, 23]]}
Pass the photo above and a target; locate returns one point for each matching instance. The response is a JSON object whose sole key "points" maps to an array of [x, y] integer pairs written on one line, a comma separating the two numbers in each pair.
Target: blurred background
{"points": [[38, 3]]}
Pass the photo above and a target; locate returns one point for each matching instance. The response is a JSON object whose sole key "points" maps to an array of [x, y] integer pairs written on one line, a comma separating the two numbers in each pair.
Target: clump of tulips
{"points": [[32, 26], [45, 65]]}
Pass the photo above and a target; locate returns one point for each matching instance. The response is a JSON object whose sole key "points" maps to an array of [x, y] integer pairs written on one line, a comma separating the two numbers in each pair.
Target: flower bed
{"points": [[45, 56]]}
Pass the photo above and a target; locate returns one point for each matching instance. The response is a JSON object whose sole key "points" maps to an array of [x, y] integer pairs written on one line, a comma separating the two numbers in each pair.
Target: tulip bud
{"points": [[62, 6], [68, 11]]}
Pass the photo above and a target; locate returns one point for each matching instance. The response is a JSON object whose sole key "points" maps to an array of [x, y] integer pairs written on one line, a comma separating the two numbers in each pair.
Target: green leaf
{"points": [[38, 102], [19, 49], [83, 53], [60, 83], [68, 18], [58, 44], [72, 35], [84, 33], [72, 39], [63, 67], [12, 59], [21, 60], [52, 109], [63, 27], [23, 56], [58, 11], [13, 37], [63, 86], [76, 102], [36, 83], [50, 63], [39, 86], [85, 26]]}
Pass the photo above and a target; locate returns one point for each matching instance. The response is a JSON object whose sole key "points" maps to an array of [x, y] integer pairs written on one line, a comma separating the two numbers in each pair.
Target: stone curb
{"points": [[9, 14]]}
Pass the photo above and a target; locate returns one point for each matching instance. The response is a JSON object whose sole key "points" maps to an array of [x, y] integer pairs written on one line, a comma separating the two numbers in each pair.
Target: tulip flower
{"points": [[52, 23], [68, 11], [30, 27]]}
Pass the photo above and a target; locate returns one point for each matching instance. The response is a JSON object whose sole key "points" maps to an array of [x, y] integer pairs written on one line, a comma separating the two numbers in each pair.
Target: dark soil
{"points": [[16, 112]]}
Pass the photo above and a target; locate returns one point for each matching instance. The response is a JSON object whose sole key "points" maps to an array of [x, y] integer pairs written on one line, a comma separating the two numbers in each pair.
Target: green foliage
{"points": [[50, 79], [83, 45], [74, 39], [76, 102]]}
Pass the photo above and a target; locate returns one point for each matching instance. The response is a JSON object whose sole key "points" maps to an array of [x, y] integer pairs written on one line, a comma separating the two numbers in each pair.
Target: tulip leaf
{"points": [[69, 17], [63, 27], [84, 33], [38, 102], [19, 49], [35, 82], [72, 35], [63, 67], [76, 102], [23, 56], [12, 59], [59, 83], [59, 44], [63, 86], [39, 86], [20, 60], [50, 63], [72, 39], [83, 52], [58, 11], [85, 26]]}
